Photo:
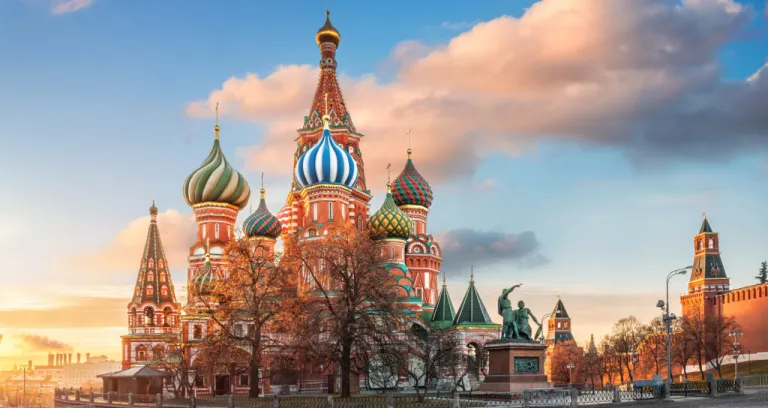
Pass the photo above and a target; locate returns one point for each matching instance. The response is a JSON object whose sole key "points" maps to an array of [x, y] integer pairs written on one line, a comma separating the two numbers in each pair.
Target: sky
{"points": [[572, 145]]}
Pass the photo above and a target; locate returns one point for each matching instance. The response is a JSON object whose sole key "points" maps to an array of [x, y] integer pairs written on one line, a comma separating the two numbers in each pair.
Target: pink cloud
{"points": [[124, 252], [69, 6], [639, 75]]}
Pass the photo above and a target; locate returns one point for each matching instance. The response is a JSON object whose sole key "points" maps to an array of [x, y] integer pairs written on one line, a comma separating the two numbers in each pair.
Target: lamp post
{"points": [[735, 333], [543, 318], [668, 318], [23, 368], [634, 365], [570, 374]]}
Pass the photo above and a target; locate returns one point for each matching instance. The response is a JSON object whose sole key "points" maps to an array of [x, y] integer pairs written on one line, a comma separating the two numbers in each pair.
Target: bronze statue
{"points": [[515, 325]]}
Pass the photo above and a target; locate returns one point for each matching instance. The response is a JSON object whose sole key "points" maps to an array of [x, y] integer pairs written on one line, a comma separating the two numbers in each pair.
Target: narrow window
{"points": [[216, 231], [197, 332], [330, 210], [711, 243], [205, 230], [314, 212], [150, 290]]}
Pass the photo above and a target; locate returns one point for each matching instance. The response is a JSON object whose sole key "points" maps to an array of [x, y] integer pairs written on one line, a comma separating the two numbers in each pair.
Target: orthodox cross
{"points": [[388, 166], [704, 215], [217, 114], [262, 180], [472, 274], [409, 138], [326, 104]]}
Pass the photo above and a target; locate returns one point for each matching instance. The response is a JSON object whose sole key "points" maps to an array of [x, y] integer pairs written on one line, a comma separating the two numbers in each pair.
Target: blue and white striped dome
{"points": [[326, 163]]}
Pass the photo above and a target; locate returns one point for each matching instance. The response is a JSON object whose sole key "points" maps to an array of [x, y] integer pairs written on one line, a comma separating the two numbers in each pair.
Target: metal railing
{"points": [[753, 381]]}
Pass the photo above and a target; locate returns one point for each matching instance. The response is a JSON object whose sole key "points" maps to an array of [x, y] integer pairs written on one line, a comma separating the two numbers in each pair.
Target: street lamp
{"points": [[668, 318], [735, 333], [23, 368], [634, 365], [543, 318], [570, 374]]}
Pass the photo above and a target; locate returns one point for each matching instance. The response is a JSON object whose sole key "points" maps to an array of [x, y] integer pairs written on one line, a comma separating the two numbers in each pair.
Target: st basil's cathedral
{"points": [[328, 189]]}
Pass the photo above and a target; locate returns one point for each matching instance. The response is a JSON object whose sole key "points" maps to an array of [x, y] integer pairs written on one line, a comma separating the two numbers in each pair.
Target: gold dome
{"points": [[328, 33]]}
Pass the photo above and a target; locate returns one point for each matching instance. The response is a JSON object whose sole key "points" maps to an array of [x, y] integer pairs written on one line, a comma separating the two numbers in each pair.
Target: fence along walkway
{"points": [[527, 398]]}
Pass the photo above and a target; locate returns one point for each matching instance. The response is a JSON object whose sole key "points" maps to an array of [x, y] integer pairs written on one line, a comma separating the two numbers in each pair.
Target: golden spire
{"points": [[472, 275], [262, 185], [216, 128], [409, 143]]}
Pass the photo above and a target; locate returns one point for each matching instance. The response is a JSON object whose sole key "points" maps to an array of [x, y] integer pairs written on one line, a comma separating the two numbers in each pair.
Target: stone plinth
{"points": [[514, 366]]}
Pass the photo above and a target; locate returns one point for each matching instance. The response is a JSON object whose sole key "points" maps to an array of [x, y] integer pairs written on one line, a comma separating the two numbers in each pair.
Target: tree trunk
{"points": [[346, 366], [253, 389]]}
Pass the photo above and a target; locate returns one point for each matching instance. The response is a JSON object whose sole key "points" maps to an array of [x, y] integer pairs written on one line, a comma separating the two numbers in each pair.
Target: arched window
{"points": [[150, 290], [150, 276], [151, 263], [149, 316], [711, 243], [700, 244], [312, 232], [359, 222], [157, 353], [197, 332], [160, 263], [162, 276], [141, 353], [164, 291]]}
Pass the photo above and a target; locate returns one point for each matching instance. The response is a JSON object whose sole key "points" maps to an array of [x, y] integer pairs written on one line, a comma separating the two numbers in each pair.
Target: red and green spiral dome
{"points": [[410, 188]]}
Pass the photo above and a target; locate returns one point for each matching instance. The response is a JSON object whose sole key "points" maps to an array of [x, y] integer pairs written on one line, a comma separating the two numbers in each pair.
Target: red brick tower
{"points": [[413, 195], [216, 192], [153, 313], [324, 192], [708, 277]]}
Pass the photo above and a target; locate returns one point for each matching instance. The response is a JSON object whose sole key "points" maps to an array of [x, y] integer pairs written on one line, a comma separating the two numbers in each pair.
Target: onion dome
{"points": [[390, 221], [326, 163], [410, 188], [262, 223], [216, 181], [153, 209], [328, 33]]}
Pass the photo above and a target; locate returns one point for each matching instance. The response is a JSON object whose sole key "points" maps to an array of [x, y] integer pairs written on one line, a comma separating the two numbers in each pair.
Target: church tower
{"points": [[153, 313], [329, 186], [413, 195], [708, 277]]}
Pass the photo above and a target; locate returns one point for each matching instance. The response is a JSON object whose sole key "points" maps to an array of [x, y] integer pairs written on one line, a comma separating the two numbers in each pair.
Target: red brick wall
{"points": [[749, 306]]}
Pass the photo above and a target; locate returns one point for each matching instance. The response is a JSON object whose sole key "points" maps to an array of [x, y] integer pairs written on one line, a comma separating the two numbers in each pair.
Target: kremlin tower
{"points": [[153, 312], [708, 278]]}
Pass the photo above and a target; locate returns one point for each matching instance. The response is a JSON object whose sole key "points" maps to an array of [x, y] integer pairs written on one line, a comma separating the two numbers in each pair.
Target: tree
{"points": [[652, 351], [248, 302], [175, 361], [626, 337], [352, 298], [607, 360], [692, 328], [717, 341], [682, 347], [762, 275], [432, 351], [564, 354]]}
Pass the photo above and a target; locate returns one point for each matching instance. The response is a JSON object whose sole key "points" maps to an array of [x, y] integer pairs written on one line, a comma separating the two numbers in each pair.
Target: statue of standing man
{"points": [[515, 325], [509, 326]]}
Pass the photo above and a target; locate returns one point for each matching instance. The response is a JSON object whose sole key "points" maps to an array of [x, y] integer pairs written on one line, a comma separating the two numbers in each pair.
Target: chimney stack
{"points": [[50, 359], [87, 357], [29, 365], [78, 358], [57, 359], [69, 358]]}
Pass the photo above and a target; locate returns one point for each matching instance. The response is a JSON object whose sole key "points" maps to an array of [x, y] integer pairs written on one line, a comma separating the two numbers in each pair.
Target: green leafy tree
{"points": [[762, 275]]}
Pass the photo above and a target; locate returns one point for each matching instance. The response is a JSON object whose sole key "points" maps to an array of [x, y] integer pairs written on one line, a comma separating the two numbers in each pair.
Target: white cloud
{"points": [[69, 6]]}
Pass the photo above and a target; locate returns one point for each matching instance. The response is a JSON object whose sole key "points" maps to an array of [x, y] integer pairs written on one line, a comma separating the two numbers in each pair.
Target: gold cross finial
{"points": [[409, 142], [262, 185], [704, 215], [216, 128], [326, 103]]}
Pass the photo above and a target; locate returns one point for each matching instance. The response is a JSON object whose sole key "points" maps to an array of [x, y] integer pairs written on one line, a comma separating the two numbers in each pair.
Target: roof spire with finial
{"points": [[216, 128], [389, 180], [444, 284], [409, 142], [472, 275], [262, 185]]}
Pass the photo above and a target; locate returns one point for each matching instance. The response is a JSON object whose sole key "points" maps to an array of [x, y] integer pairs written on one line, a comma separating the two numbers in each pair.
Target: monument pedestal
{"points": [[514, 366]]}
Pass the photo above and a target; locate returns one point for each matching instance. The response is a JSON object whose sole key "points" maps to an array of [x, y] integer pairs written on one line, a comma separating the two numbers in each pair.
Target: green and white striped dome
{"points": [[216, 181]]}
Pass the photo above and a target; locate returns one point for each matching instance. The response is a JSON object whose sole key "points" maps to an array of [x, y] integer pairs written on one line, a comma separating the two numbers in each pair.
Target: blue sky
{"points": [[96, 124]]}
